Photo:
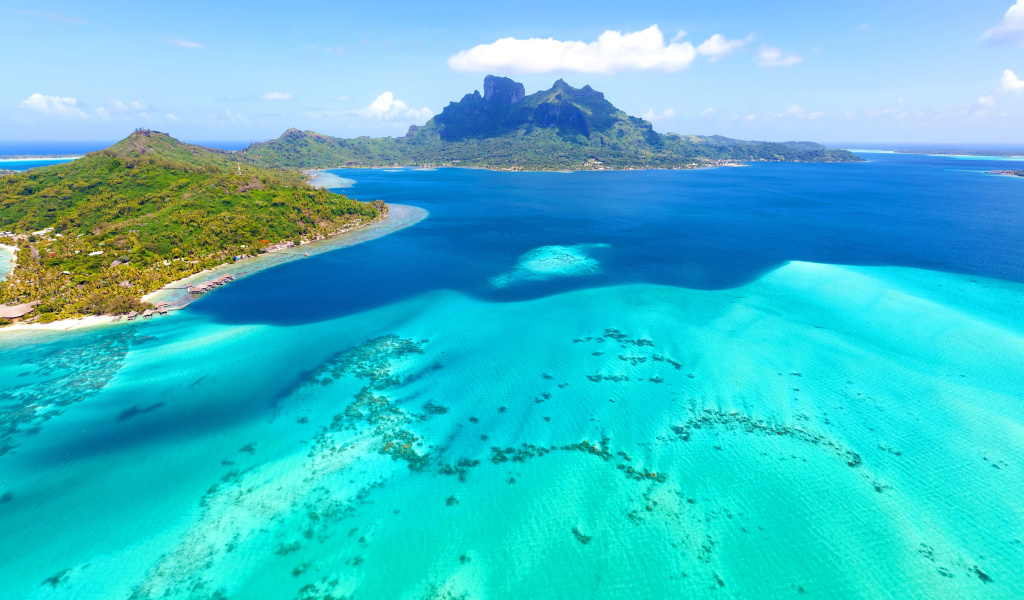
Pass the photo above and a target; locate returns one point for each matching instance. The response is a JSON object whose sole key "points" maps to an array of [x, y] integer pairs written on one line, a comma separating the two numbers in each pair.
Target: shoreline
{"points": [[320, 178], [1005, 173], [400, 216], [316, 173], [63, 324], [28, 158]]}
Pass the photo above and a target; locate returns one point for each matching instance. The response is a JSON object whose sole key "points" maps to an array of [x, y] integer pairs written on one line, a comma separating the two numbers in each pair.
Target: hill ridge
{"points": [[557, 128]]}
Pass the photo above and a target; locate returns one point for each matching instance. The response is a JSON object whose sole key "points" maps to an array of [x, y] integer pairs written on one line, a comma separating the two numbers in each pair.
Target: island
{"points": [[94, 235], [1014, 173], [562, 128]]}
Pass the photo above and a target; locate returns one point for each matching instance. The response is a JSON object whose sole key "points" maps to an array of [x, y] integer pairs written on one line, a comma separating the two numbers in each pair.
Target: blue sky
{"points": [[868, 71]]}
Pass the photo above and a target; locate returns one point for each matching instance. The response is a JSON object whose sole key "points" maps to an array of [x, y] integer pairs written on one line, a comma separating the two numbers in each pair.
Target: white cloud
{"points": [[1011, 82], [1011, 28], [54, 106], [612, 52], [717, 46], [707, 112], [750, 118], [795, 110], [173, 117], [770, 56], [987, 100], [183, 43], [276, 96], [650, 115], [815, 115], [387, 108]]}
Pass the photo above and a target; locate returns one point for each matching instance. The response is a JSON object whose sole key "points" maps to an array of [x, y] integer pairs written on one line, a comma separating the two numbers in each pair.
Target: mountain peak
{"points": [[149, 145], [502, 90]]}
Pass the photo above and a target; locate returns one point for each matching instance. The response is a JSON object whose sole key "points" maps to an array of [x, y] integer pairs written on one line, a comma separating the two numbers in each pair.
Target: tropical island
{"points": [[556, 129], [1014, 173], [94, 235]]}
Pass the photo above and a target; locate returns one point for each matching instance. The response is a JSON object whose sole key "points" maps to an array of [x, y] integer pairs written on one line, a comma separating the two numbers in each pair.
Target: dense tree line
{"points": [[148, 211]]}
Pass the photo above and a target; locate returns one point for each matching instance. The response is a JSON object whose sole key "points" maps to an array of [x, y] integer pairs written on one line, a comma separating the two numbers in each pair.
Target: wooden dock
{"points": [[206, 286]]}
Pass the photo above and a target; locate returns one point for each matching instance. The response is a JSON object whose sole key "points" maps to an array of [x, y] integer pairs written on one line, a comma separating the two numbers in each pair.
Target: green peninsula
{"points": [[559, 128], [95, 234]]}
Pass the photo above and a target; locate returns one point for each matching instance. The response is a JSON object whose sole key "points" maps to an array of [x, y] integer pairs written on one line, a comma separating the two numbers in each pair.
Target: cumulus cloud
{"points": [[707, 112], [53, 106], [1011, 28], [612, 52], [276, 96], [717, 46], [388, 108], [770, 56], [173, 117], [183, 43], [987, 100], [1011, 83]]}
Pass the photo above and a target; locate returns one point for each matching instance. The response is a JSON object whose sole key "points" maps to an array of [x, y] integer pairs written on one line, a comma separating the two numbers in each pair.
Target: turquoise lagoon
{"points": [[784, 381]]}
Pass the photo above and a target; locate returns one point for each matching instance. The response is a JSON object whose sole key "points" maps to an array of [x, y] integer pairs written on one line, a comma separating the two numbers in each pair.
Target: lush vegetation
{"points": [[97, 233], [559, 128]]}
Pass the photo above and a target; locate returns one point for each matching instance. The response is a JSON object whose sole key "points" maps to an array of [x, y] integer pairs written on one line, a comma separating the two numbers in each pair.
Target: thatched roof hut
{"points": [[17, 311]]}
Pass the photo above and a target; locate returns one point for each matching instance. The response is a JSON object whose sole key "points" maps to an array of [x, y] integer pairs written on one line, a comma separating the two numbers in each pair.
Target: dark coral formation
{"points": [[733, 421], [59, 379]]}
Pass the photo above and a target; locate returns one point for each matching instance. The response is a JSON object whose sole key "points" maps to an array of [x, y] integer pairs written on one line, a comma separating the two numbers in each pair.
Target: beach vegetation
{"points": [[95, 234]]}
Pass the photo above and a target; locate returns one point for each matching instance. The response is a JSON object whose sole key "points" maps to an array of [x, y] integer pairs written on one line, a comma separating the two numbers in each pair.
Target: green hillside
{"points": [[147, 211], [559, 128]]}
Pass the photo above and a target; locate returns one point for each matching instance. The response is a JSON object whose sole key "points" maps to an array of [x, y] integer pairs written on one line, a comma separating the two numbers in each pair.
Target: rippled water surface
{"points": [[778, 381]]}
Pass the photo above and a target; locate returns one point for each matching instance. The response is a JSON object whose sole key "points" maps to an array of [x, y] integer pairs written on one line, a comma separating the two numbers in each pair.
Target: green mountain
{"points": [[96, 233], [562, 127]]}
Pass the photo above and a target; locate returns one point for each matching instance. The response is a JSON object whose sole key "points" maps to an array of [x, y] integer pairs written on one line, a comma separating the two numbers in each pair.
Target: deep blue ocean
{"points": [[708, 229], [775, 381]]}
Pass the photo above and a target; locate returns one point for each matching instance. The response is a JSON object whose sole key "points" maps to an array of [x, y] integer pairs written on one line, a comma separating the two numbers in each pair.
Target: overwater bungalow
{"points": [[147, 314], [162, 310], [131, 316]]}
